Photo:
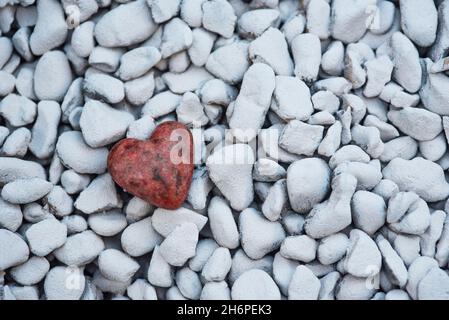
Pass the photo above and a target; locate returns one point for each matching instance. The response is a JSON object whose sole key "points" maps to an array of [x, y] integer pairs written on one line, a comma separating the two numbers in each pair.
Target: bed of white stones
{"points": [[353, 206]]}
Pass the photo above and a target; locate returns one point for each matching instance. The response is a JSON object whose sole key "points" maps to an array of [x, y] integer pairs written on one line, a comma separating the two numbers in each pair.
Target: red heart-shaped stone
{"points": [[158, 170]]}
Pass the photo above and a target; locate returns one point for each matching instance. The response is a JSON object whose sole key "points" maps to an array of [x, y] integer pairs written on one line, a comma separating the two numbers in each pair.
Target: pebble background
{"points": [[353, 206]]}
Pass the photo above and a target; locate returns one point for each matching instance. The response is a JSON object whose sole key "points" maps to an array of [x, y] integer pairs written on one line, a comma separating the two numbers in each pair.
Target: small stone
{"points": [[140, 238], [434, 285], [141, 290], [276, 201], [83, 39], [7, 83], [216, 291], [12, 169], [301, 248], [242, 263], [363, 258], [116, 265], [55, 285], [204, 250], [332, 248], [303, 196], [44, 132], [254, 98], [253, 23], [304, 285], [350, 19], [125, 25], [31, 272], [75, 224], [369, 211], [163, 10], [222, 223], [160, 273], [17, 110], [52, 76], [192, 13], [51, 29], [334, 214], [114, 124], [259, 236], [218, 265], [80, 249], [77, 155], [407, 69], [318, 18], [46, 236], [73, 182], [22, 191], [137, 209], [392, 262], [306, 51], [140, 90], [104, 87], [137, 62], [255, 285], [11, 217], [292, 99], [219, 17], [105, 59], [180, 244], [354, 288], [176, 37], [426, 125], [165, 221], [14, 250], [59, 202], [271, 48], [418, 175], [407, 213], [188, 283], [16, 145], [100, 195], [161, 104], [202, 45], [229, 62], [190, 80], [419, 21], [403, 147], [225, 169], [332, 60], [108, 223]]}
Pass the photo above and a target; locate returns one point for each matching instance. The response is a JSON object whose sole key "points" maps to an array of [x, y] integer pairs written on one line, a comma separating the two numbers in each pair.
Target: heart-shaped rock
{"points": [[158, 170]]}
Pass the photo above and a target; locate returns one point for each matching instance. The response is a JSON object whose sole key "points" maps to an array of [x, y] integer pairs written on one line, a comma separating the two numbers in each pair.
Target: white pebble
{"points": [[80, 249], [217, 266], [255, 285], [24, 191], [116, 265], [140, 238], [259, 236], [14, 249], [304, 285], [100, 195], [180, 244], [107, 223], [46, 236], [55, 285]]}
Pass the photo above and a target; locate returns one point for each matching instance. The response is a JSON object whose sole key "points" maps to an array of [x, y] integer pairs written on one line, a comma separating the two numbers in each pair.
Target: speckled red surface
{"points": [[144, 168]]}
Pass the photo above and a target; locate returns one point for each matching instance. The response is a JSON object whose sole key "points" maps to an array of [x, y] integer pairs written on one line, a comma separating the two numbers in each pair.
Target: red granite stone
{"points": [[153, 170]]}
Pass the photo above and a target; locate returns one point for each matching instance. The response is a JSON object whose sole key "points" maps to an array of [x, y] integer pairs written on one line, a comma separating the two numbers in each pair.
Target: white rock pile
{"points": [[340, 109]]}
